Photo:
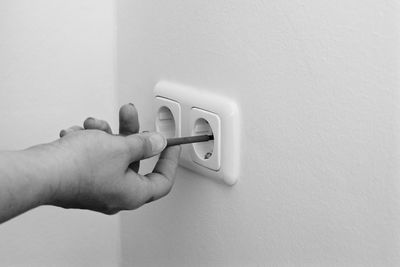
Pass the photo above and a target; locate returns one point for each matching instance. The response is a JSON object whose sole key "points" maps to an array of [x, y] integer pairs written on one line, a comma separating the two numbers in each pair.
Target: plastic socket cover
{"points": [[195, 112], [206, 154], [168, 117]]}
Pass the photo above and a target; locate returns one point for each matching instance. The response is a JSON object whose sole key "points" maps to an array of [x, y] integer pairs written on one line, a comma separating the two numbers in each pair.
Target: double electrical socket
{"points": [[187, 111]]}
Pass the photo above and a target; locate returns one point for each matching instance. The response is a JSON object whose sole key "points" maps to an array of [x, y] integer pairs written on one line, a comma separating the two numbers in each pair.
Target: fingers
{"points": [[144, 145], [89, 123], [70, 130], [92, 123], [146, 188], [129, 124], [163, 176], [128, 120]]}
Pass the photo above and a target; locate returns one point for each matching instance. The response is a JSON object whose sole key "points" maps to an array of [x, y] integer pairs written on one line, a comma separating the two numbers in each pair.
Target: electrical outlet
{"points": [[168, 117], [195, 112], [207, 154]]}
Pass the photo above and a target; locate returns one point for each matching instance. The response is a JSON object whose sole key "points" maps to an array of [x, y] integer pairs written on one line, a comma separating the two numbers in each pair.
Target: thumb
{"points": [[145, 145]]}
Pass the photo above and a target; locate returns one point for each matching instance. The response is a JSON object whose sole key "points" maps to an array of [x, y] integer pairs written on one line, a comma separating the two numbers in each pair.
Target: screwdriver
{"points": [[189, 139]]}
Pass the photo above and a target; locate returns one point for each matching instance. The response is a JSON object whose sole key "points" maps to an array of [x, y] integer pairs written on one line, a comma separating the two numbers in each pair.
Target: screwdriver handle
{"points": [[189, 139]]}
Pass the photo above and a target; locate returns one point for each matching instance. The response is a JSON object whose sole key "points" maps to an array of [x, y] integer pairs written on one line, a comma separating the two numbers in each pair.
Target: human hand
{"points": [[99, 170]]}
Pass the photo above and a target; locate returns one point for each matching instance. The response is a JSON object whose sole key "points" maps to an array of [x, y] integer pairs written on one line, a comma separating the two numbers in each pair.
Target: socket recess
{"points": [[197, 112], [207, 154], [168, 117]]}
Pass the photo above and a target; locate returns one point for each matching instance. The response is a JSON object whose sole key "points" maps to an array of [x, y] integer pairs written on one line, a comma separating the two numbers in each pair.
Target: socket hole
{"points": [[165, 122], [203, 150]]}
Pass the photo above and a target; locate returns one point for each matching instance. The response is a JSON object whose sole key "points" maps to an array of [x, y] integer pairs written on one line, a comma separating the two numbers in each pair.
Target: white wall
{"points": [[56, 68], [318, 86]]}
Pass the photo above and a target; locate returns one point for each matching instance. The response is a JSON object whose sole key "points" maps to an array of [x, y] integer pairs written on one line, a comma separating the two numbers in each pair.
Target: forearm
{"points": [[26, 180]]}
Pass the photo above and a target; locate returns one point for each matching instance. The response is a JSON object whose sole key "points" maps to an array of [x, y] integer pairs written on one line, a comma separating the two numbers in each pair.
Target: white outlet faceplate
{"points": [[195, 112]]}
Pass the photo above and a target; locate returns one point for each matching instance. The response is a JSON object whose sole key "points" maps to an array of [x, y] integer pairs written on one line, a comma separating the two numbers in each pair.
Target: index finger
{"points": [[128, 120], [129, 124]]}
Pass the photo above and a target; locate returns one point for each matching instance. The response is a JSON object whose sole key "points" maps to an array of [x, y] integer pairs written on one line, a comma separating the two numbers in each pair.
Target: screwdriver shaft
{"points": [[189, 139]]}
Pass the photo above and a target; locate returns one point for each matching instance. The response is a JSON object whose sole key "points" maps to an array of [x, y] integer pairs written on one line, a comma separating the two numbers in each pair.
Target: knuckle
{"points": [[87, 121], [111, 211], [112, 207], [168, 189], [140, 146], [143, 142], [126, 199], [129, 203]]}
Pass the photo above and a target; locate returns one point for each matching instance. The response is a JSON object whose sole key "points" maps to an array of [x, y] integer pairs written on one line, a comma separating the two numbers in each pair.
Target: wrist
{"points": [[42, 166]]}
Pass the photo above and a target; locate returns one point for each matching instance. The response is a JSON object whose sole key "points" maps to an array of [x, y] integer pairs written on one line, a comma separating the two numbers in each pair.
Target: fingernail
{"points": [[158, 142], [90, 118]]}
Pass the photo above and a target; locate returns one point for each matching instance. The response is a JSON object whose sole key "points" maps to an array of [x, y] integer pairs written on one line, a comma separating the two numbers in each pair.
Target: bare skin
{"points": [[88, 168]]}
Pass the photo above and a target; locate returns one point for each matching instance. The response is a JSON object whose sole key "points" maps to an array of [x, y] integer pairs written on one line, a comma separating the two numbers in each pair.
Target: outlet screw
{"points": [[208, 155]]}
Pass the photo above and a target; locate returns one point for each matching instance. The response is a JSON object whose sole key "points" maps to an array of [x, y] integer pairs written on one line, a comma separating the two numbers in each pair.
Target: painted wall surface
{"points": [[317, 83], [56, 69]]}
